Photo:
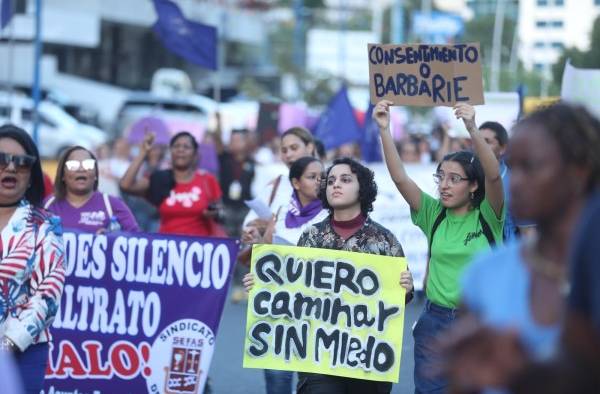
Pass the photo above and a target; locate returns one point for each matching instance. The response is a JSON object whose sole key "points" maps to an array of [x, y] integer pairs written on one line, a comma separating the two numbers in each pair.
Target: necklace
{"points": [[545, 267]]}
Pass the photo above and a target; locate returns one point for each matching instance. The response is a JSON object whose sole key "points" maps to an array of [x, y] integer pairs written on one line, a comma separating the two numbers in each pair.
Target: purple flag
{"points": [[195, 42]]}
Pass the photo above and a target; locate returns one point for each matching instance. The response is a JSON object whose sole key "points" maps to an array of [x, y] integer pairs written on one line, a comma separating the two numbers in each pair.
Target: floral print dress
{"points": [[32, 275]]}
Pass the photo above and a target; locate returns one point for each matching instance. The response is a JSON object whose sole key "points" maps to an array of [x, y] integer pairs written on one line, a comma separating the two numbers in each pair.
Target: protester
{"points": [[296, 143], [113, 161], [304, 208], [78, 202], [496, 137], [188, 199], [408, 150], [467, 218], [31, 259], [145, 213], [348, 194], [517, 293], [236, 173]]}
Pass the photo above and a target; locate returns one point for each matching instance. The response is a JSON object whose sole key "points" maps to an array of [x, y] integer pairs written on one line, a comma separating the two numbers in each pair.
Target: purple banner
{"points": [[139, 313]]}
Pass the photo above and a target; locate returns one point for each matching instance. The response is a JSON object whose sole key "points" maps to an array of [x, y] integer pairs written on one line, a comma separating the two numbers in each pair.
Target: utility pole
{"points": [[398, 22], [497, 46]]}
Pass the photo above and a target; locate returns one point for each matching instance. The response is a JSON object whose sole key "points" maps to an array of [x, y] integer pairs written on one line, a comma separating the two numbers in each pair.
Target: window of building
{"points": [[539, 44], [542, 2], [559, 2], [596, 2], [557, 45], [557, 24], [538, 66], [541, 24]]}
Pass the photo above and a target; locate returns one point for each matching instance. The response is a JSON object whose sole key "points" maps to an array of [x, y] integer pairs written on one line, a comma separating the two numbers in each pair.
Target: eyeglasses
{"points": [[20, 162], [453, 179], [74, 165]]}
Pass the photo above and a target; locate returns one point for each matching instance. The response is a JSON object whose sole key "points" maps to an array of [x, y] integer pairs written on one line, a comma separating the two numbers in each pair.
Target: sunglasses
{"points": [[74, 165], [20, 162]]}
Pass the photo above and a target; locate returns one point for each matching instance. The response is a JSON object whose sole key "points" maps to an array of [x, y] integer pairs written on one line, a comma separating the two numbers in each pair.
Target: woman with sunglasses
{"points": [[468, 217], [77, 200], [31, 259], [188, 199]]}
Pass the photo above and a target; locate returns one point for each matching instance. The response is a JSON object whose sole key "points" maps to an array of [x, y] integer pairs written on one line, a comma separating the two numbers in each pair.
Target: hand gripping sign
{"points": [[426, 75], [325, 311]]}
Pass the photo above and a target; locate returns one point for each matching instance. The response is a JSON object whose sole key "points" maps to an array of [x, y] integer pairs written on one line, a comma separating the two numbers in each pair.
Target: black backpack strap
{"points": [[485, 227], [434, 228]]}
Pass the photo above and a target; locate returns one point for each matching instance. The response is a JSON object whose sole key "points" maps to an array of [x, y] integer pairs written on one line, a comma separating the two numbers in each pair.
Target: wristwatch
{"points": [[7, 345]]}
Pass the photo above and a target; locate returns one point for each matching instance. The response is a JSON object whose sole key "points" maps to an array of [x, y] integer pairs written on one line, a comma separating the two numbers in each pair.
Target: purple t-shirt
{"points": [[93, 215]]}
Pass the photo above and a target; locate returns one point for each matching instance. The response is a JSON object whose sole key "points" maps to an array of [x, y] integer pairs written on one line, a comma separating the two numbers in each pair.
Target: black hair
{"points": [[367, 188], [184, 134], [473, 171], [162, 181], [35, 191], [499, 131], [299, 166], [320, 149], [60, 190], [576, 132]]}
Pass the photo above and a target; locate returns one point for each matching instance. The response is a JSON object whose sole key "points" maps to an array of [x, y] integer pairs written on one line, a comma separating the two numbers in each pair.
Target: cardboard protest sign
{"points": [[426, 75], [122, 326], [325, 311]]}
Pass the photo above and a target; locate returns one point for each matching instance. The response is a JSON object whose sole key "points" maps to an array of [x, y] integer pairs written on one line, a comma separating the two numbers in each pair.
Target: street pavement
{"points": [[228, 376]]}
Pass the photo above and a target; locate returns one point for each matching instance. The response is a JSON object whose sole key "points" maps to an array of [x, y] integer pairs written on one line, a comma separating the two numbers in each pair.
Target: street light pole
{"points": [[36, 91], [497, 46]]}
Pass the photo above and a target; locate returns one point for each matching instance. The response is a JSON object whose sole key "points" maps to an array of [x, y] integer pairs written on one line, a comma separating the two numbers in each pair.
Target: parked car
{"points": [[180, 109], [57, 129]]}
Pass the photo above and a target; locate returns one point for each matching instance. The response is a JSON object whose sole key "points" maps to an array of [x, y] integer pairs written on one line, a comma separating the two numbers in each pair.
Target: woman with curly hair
{"points": [[348, 192]]}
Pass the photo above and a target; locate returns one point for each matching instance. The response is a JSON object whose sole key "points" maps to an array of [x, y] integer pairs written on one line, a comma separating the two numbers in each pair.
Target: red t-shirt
{"points": [[181, 212]]}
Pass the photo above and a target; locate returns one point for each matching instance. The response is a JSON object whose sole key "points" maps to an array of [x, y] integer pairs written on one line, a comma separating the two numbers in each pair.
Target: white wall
{"points": [[577, 17]]}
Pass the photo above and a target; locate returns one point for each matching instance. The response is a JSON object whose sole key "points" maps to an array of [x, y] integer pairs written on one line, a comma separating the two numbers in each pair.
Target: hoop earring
{"points": [[472, 196]]}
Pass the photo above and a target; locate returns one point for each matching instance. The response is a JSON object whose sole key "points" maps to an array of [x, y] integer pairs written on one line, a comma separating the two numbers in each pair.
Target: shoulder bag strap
{"points": [[274, 190], [49, 202]]}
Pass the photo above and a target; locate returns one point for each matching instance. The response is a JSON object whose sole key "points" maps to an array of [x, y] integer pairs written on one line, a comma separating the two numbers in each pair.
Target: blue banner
{"points": [[195, 42], [338, 125], [6, 12], [139, 313]]}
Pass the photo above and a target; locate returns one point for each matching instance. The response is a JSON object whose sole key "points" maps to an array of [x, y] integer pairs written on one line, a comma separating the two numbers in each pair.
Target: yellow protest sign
{"points": [[426, 75], [325, 311]]}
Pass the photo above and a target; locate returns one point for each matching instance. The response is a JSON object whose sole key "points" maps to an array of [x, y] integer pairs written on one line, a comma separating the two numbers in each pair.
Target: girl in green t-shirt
{"points": [[467, 217]]}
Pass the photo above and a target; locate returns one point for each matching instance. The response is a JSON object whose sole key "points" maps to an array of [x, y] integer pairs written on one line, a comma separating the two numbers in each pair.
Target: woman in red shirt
{"points": [[188, 199]]}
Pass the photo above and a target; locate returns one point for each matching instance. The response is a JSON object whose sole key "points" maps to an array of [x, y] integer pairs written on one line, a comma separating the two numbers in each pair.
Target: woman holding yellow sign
{"points": [[348, 192], [468, 217]]}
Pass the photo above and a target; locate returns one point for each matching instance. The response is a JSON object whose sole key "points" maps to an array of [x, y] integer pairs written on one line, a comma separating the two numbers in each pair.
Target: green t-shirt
{"points": [[455, 242]]}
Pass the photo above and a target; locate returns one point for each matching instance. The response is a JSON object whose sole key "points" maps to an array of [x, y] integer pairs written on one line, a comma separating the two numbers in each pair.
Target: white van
{"points": [[57, 129]]}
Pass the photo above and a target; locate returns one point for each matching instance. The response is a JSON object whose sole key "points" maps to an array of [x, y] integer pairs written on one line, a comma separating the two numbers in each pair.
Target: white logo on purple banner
{"points": [[180, 358]]}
